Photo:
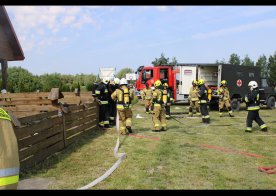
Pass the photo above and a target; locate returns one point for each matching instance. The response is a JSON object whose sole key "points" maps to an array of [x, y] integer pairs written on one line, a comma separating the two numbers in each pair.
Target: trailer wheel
{"points": [[235, 105], [271, 103]]}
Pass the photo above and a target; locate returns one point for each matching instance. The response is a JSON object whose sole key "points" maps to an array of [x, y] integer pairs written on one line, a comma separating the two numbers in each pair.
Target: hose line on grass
{"points": [[119, 156]]}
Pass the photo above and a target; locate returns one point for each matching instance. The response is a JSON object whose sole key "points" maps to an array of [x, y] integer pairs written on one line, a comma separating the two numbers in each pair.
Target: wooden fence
{"points": [[44, 134], [26, 104]]}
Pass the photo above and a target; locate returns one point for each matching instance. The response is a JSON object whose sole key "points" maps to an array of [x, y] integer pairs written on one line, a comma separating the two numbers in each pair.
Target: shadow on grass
{"points": [[54, 159]]}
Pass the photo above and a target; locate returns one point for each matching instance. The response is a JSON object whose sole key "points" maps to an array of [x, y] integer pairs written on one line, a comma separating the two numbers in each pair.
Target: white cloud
{"points": [[37, 20], [237, 29]]}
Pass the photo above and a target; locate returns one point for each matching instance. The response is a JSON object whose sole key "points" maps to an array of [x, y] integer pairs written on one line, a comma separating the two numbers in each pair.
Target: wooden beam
{"points": [[4, 67]]}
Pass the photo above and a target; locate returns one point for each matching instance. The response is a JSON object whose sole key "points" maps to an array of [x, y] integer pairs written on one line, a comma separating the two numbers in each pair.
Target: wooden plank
{"points": [[80, 128], [22, 132], [15, 121], [37, 117], [21, 114], [27, 102], [31, 161], [27, 108], [76, 108], [78, 122], [40, 146], [78, 115], [80, 135], [26, 142], [25, 95]]}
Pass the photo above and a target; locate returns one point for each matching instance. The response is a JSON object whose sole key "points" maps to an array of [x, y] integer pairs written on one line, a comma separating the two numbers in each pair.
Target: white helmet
{"points": [[117, 81], [123, 81], [252, 85]]}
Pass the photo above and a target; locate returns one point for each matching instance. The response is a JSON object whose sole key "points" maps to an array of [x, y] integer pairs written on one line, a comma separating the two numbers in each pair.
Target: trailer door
{"points": [[187, 75]]}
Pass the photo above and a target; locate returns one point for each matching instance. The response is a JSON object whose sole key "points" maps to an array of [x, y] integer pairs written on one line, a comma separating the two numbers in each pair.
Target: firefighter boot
{"points": [[207, 120], [203, 120], [264, 128], [190, 114], [129, 129], [230, 112]]}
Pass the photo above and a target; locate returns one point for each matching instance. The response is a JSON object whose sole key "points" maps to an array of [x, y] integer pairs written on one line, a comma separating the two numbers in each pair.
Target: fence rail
{"points": [[44, 134]]}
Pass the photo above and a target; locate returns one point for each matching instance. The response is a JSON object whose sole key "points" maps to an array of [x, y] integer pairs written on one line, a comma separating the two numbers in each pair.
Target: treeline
{"points": [[21, 80]]}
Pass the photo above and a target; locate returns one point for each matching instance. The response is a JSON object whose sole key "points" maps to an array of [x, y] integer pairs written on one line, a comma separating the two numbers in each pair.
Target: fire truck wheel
{"points": [[271, 103], [235, 104]]}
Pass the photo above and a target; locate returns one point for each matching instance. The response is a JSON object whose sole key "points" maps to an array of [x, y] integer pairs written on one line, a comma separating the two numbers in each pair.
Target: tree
{"points": [[174, 61], [122, 73], [21, 80], [161, 60], [272, 70], [221, 61], [247, 61], [50, 81], [234, 59], [262, 63]]}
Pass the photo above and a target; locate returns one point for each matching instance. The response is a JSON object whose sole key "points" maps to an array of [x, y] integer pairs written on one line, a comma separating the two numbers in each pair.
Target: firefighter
{"points": [[252, 100], [193, 98], [102, 96], [147, 96], [9, 158], [123, 96], [203, 101], [159, 113], [113, 85], [224, 98], [167, 92]]}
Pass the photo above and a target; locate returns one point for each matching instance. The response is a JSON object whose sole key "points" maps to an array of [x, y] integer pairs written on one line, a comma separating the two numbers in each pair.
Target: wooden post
{"points": [[4, 67]]}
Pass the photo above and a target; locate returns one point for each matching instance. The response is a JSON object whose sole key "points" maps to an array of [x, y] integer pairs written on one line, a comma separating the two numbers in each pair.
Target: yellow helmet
{"points": [[194, 82], [157, 83], [223, 82], [200, 82], [165, 84]]}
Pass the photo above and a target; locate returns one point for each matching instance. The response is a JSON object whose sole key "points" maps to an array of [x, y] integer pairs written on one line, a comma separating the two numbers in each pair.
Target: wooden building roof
{"points": [[10, 48]]}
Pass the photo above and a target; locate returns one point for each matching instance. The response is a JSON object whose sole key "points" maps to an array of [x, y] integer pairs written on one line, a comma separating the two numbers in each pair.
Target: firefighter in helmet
{"points": [[224, 98], [159, 113], [102, 96], [9, 158], [113, 85], [123, 96], [168, 100], [203, 101], [147, 96], [193, 98], [252, 100]]}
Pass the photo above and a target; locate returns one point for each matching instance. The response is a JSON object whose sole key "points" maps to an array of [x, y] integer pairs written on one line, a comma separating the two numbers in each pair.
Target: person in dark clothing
{"points": [[203, 101], [102, 96], [252, 100], [113, 85]]}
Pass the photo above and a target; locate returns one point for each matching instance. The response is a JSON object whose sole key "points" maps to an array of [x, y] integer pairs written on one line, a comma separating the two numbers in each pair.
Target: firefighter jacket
{"points": [[102, 93], [202, 94], [94, 87], [252, 100], [170, 96], [146, 93], [123, 96], [223, 93], [157, 97], [193, 94]]}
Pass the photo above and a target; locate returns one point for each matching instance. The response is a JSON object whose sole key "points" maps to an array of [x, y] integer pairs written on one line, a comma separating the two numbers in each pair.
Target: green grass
{"points": [[176, 161]]}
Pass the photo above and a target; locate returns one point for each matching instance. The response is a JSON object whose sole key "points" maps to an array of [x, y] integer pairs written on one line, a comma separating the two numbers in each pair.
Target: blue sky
{"points": [[81, 39]]}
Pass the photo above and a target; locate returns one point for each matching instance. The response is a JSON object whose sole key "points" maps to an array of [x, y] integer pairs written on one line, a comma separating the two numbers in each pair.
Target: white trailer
{"points": [[107, 73]]}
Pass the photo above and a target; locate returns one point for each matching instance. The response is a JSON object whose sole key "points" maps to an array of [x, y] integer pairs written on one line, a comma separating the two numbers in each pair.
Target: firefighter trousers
{"points": [[194, 105], [159, 118], [147, 104], [204, 113], [168, 110], [125, 119], [104, 115], [227, 104], [253, 115], [112, 111]]}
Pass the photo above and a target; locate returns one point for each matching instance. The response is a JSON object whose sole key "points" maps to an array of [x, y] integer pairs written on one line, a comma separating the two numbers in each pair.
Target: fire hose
{"points": [[119, 156]]}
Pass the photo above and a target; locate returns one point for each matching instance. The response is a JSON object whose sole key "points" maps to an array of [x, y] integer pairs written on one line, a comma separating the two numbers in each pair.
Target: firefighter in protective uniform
{"points": [[113, 85], [147, 96], [224, 98], [102, 96], [9, 158], [123, 96], [159, 113], [203, 101], [193, 98], [167, 92], [252, 100]]}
